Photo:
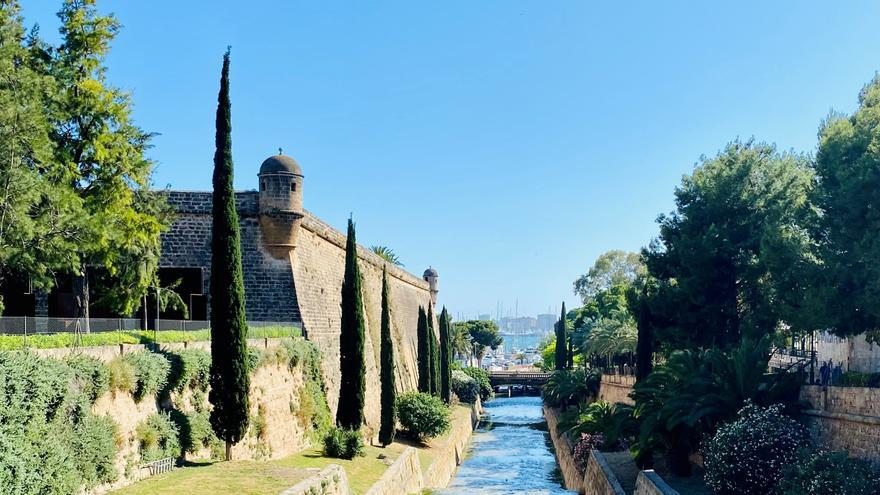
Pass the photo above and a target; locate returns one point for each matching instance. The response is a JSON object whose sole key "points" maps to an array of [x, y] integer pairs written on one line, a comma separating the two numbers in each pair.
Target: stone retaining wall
{"points": [[650, 483], [402, 477], [599, 479], [108, 352], [570, 473], [845, 418], [330, 481], [616, 388]]}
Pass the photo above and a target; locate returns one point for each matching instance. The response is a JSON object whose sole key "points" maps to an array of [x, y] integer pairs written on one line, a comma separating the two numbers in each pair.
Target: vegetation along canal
{"points": [[510, 452]]}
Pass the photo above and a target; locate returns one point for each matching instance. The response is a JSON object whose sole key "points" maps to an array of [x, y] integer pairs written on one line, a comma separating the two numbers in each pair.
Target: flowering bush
{"points": [[465, 387], [582, 449], [750, 454], [829, 473]]}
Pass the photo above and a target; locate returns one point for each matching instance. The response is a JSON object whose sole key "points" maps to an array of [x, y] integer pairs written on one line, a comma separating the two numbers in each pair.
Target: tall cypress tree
{"points": [[445, 357], [645, 342], [561, 347], [386, 374], [424, 354], [230, 381], [350, 412], [435, 354]]}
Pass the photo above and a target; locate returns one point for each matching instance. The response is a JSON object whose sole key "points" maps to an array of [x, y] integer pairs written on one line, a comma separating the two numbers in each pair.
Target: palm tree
{"points": [[520, 356], [387, 254]]}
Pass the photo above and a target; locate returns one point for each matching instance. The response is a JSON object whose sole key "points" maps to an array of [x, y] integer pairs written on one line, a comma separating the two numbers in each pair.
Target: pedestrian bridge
{"points": [[529, 378]]}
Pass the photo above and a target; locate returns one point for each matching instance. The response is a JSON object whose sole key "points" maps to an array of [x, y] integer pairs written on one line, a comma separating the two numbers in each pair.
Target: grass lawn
{"points": [[272, 477]]}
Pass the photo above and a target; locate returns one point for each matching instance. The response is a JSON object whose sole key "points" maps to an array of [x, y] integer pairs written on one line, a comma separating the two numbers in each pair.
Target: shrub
{"points": [[571, 387], [122, 375], [422, 415], [587, 443], [91, 376], [151, 372], [255, 358], [829, 473], [50, 442], [190, 369], [194, 431], [158, 438], [482, 379], [465, 387], [749, 454], [340, 443]]}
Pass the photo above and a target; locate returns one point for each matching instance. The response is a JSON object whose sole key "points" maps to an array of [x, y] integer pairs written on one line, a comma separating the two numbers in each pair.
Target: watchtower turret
{"points": [[433, 279], [281, 210]]}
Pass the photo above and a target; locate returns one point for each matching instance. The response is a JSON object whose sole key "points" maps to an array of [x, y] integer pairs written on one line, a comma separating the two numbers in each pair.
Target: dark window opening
{"points": [[262, 185], [293, 186]]}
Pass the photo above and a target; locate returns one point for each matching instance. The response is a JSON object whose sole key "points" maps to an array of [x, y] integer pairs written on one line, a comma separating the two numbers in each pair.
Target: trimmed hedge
{"points": [[422, 415]]}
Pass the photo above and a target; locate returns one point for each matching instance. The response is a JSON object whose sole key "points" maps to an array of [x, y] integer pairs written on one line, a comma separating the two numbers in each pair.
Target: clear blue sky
{"points": [[506, 143]]}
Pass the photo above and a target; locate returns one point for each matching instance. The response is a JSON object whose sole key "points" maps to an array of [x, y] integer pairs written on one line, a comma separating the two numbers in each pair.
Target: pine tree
{"points": [[435, 354], [230, 381], [424, 352], [350, 412], [445, 357], [389, 390], [561, 348]]}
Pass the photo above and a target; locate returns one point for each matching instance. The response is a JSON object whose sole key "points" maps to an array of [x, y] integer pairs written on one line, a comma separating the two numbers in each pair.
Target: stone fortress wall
{"points": [[296, 276]]}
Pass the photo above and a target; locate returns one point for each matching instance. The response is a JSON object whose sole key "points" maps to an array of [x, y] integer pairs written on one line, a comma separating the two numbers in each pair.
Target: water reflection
{"points": [[510, 452]]}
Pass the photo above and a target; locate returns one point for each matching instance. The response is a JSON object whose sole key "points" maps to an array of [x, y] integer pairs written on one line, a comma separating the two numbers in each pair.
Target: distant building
{"points": [[484, 317], [546, 322]]}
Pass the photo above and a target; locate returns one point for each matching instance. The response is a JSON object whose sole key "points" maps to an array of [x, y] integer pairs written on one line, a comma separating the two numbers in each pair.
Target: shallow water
{"points": [[510, 452]]}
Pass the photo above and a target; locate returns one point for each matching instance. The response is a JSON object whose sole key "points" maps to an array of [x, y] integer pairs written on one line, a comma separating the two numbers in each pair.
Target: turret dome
{"points": [[431, 272], [280, 164]]}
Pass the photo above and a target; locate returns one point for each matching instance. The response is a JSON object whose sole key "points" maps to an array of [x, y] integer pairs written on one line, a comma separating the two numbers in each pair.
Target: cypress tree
{"points": [[644, 345], [445, 357], [561, 354], [435, 354], [570, 353], [389, 390], [230, 380], [350, 412], [424, 355]]}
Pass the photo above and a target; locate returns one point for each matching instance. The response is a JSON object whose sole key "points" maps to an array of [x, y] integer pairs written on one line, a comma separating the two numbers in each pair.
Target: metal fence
{"points": [[29, 325]]}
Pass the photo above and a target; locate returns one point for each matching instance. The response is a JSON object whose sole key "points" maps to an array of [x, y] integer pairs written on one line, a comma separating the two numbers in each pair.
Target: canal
{"points": [[510, 452]]}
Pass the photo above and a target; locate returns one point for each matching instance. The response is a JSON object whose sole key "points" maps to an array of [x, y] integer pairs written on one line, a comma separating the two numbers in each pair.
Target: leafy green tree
{"points": [[848, 232], [102, 152], [38, 208], [612, 268], [389, 388], [230, 378], [482, 334], [734, 258], [445, 357], [561, 339], [350, 412], [387, 254], [424, 353], [460, 339]]}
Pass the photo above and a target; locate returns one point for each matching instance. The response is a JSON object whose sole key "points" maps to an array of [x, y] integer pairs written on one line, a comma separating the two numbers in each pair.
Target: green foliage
{"points": [[614, 268], [422, 415], [434, 347], [567, 388], [387, 254], [424, 352], [829, 473], [481, 334], [465, 387], [158, 437], [445, 356], [732, 259], [151, 372], [350, 411], [340, 443], [91, 375], [190, 369], [195, 432], [613, 421], [388, 424], [548, 354], [481, 376], [749, 454], [230, 378], [123, 377], [848, 230], [561, 349], [50, 442], [686, 398]]}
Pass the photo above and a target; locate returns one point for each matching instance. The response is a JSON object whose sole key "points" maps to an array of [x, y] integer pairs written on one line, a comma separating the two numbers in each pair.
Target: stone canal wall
{"points": [[845, 418], [616, 388], [599, 479], [570, 474], [330, 481], [650, 483]]}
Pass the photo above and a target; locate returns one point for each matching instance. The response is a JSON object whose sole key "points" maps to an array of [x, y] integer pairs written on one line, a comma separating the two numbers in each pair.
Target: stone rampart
{"points": [[650, 483], [318, 268], [845, 418]]}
